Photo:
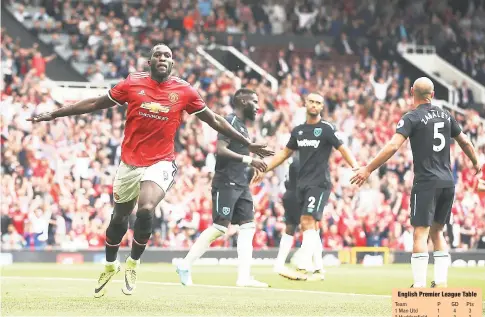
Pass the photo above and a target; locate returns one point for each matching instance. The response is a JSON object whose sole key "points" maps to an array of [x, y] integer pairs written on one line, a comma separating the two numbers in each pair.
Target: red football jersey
{"points": [[153, 116]]}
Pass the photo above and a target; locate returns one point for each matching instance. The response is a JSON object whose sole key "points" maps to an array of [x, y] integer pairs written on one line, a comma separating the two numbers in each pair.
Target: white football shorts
{"points": [[126, 186]]}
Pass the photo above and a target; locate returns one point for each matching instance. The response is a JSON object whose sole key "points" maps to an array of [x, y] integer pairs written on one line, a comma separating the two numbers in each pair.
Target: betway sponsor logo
{"points": [[307, 143]]}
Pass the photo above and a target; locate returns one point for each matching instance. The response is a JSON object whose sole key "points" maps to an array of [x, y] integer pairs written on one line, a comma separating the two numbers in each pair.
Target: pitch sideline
{"points": [[283, 290]]}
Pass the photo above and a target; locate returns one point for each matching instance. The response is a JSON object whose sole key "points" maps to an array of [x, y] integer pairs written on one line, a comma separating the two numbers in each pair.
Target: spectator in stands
{"points": [[344, 46], [277, 17], [481, 74], [41, 15], [322, 50], [6, 220], [282, 68], [306, 17], [380, 87], [20, 14], [82, 154], [39, 62], [467, 234], [466, 95], [481, 239], [12, 240]]}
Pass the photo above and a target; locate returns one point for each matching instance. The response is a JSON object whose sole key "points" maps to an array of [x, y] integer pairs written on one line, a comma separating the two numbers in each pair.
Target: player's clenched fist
{"points": [[46, 116], [260, 149], [259, 165]]}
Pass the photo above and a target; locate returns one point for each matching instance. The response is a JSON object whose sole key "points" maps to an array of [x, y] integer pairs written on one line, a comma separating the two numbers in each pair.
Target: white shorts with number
{"points": [[126, 186]]}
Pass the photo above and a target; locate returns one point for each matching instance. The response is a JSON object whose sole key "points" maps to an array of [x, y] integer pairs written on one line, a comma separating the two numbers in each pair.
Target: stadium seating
{"points": [[58, 176]]}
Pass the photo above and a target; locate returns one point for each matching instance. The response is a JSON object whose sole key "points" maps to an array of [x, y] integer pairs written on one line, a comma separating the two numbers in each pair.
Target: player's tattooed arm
{"points": [[361, 174], [221, 125], [223, 150], [347, 155], [84, 106], [467, 147]]}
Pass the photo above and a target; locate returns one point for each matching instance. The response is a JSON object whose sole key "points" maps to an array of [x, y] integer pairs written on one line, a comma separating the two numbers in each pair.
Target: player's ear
{"points": [[432, 94], [149, 63], [412, 91]]}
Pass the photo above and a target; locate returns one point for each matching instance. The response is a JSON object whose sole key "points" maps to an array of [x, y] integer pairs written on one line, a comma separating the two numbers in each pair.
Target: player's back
{"points": [[430, 130]]}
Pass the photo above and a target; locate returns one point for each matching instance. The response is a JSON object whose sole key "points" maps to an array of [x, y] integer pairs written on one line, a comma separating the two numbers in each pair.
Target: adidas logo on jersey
{"points": [[142, 93], [308, 143]]}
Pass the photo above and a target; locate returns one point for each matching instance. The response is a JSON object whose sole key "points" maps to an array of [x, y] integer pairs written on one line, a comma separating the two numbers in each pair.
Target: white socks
{"points": [[419, 265], [441, 264], [317, 251], [245, 250], [307, 250], [286, 244], [202, 244]]}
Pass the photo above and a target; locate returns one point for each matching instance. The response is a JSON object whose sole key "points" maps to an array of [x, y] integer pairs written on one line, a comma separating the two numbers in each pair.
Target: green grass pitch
{"points": [[350, 290]]}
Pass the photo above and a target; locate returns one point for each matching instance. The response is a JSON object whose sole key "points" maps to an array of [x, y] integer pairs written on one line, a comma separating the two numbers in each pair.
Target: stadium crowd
{"points": [[106, 33], [57, 176]]}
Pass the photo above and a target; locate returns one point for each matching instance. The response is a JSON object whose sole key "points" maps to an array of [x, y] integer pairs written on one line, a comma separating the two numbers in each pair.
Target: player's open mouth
{"points": [[162, 66]]}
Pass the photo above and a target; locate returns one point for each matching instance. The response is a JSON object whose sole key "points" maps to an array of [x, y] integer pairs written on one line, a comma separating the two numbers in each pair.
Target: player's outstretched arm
{"points": [[361, 174], [81, 107], [467, 147], [347, 155], [223, 151], [277, 160], [221, 125]]}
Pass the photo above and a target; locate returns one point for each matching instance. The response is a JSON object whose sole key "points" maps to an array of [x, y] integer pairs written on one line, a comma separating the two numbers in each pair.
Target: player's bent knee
{"points": [[307, 222], [143, 225], [436, 228], [118, 217], [421, 233], [436, 233], [145, 209], [222, 222]]}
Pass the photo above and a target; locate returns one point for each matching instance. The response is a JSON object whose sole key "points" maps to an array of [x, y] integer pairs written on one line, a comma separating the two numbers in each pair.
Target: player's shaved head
{"points": [[160, 46], [423, 88]]}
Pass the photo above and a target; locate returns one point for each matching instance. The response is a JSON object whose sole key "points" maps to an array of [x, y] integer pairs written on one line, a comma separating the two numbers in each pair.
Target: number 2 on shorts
{"points": [[311, 199]]}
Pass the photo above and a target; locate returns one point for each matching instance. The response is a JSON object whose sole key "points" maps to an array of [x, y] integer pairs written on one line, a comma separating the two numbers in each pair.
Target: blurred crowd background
{"points": [[57, 177]]}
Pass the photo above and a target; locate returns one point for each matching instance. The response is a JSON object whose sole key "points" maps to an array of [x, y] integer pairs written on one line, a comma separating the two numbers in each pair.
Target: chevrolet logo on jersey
{"points": [[308, 143], [155, 107]]}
